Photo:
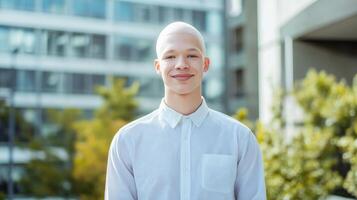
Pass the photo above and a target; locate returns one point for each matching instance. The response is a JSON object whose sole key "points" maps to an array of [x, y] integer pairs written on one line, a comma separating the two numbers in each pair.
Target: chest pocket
{"points": [[218, 172]]}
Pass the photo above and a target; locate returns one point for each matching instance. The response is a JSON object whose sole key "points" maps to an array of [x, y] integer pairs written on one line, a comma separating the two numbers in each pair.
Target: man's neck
{"points": [[184, 104]]}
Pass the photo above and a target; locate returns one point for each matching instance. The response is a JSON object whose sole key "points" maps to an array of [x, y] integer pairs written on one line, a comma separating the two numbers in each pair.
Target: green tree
{"points": [[315, 162], [332, 106], [52, 158], [94, 137], [24, 130], [296, 170]]}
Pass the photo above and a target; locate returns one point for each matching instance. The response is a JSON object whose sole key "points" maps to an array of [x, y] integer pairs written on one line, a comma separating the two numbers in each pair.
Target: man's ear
{"points": [[157, 66], [206, 64]]}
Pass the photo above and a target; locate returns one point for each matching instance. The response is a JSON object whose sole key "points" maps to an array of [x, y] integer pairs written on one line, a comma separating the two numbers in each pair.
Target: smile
{"points": [[182, 77]]}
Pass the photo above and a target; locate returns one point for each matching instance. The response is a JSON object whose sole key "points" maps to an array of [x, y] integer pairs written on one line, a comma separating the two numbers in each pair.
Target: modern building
{"points": [[242, 57], [61, 49], [295, 36]]}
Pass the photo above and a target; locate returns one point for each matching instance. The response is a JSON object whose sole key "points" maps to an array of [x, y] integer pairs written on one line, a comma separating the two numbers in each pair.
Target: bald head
{"points": [[178, 28]]}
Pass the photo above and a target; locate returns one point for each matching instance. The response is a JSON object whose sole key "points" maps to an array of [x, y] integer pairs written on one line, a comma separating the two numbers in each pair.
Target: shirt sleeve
{"points": [[250, 181], [120, 182]]}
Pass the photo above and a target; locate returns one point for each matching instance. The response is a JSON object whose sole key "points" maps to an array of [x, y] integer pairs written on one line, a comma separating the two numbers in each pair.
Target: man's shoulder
{"points": [[139, 124]]}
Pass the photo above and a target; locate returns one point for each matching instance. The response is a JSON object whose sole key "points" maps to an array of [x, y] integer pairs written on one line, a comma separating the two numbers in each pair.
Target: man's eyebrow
{"points": [[168, 51], [173, 50], [193, 49]]}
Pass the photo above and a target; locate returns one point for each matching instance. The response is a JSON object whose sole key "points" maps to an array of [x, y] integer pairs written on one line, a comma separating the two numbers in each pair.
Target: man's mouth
{"points": [[182, 77]]}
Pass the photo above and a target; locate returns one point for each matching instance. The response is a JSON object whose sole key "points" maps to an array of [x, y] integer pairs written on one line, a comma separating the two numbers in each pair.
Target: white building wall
{"points": [[272, 15]]}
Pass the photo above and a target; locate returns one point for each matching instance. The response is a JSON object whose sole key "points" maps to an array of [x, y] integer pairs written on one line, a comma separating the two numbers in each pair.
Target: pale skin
{"points": [[181, 62]]}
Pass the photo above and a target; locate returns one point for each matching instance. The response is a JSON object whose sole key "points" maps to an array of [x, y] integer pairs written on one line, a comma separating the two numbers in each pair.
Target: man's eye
{"points": [[192, 56], [169, 57]]}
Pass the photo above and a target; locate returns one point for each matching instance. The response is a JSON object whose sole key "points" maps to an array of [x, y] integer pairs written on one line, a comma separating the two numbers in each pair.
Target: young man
{"points": [[184, 150]]}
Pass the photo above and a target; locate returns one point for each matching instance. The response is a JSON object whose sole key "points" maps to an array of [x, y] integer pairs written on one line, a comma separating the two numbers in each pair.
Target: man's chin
{"points": [[182, 92]]}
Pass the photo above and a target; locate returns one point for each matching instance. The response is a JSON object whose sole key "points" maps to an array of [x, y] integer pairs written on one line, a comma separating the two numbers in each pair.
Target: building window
{"points": [[98, 46], [133, 49], [26, 81], [29, 41], [150, 87], [163, 14], [4, 39], [124, 11], [237, 43], [199, 20], [23, 39], [53, 6], [80, 45], [5, 78], [143, 13], [89, 8], [97, 80], [238, 87], [27, 5], [75, 84], [80, 84], [56, 43], [51, 82], [178, 13]]}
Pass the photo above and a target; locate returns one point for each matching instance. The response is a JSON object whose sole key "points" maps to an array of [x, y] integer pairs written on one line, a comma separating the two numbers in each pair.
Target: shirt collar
{"points": [[173, 117]]}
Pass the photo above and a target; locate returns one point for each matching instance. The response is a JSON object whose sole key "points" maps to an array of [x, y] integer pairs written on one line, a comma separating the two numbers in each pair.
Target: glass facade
{"points": [[56, 43], [156, 14], [53, 6], [124, 11], [98, 46], [133, 49], [21, 38], [79, 44], [150, 87], [26, 5], [5, 78], [199, 20], [89, 8], [75, 83], [4, 38], [51, 82], [26, 81]]}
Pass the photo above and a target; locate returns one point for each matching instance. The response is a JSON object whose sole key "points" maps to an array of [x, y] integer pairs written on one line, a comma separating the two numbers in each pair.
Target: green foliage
{"points": [[118, 102], [51, 171], [94, 137], [71, 158], [311, 165], [24, 130], [297, 170], [332, 104]]}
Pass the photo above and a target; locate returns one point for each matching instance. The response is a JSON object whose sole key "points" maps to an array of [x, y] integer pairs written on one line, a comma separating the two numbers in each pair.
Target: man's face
{"points": [[181, 63]]}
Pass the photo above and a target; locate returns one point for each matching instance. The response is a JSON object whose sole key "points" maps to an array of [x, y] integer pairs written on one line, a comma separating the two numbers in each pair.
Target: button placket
{"points": [[185, 159]]}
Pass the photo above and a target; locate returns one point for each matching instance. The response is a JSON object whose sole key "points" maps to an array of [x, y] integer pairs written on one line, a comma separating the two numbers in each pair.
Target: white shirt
{"points": [[169, 156]]}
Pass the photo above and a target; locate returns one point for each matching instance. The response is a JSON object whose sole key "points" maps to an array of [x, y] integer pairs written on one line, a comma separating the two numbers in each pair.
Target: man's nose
{"points": [[181, 63]]}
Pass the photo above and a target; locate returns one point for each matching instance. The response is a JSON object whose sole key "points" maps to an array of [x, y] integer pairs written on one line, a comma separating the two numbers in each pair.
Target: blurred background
{"points": [[72, 72]]}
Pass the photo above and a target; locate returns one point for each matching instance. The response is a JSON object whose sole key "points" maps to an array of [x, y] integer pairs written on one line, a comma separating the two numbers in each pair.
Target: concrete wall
{"points": [[322, 56]]}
